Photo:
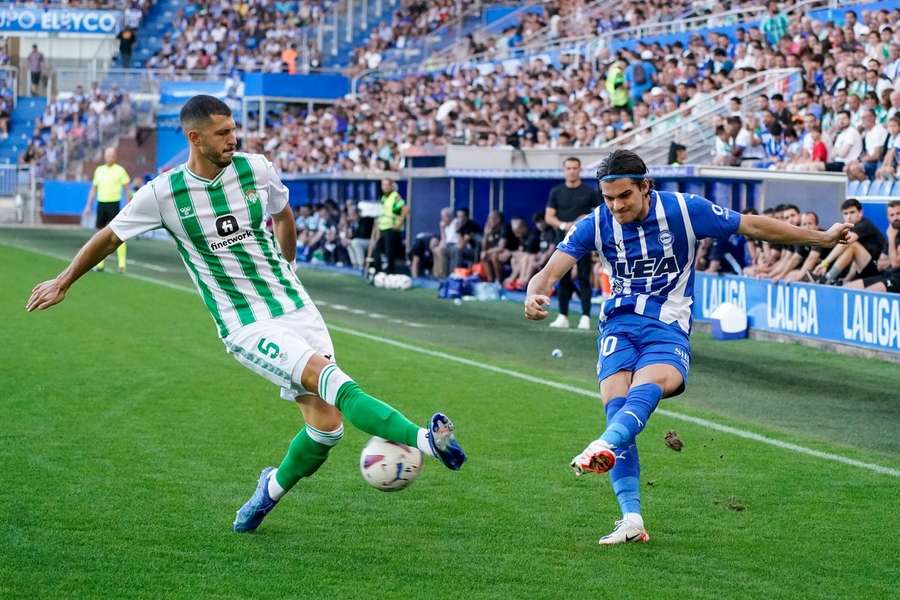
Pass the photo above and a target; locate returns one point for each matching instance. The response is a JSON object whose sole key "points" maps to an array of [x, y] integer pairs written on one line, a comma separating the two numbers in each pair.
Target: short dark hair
{"points": [[202, 107], [893, 203], [791, 207], [845, 112], [778, 97], [851, 203], [572, 158], [622, 162], [814, 215]]}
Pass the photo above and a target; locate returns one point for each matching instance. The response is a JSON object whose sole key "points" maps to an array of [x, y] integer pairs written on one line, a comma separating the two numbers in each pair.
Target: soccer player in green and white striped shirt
{"points": [[214, 207]]}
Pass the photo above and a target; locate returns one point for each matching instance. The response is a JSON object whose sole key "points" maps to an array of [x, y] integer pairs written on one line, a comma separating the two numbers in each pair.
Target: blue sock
{"points": [[625, 475], [630, 420]]}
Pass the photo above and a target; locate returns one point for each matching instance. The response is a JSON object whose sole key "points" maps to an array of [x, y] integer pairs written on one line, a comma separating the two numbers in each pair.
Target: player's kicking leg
{"points": [[337, 395], [630, 399]]}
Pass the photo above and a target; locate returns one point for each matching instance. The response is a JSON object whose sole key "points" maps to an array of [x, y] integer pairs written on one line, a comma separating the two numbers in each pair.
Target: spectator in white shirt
{"points": [[874, 139], [847, 144], [889, 166]]}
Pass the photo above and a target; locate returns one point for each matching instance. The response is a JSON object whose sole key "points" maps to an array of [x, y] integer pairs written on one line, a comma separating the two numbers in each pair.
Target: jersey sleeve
{"points": [[124, 178], [139, 216], [580, 240], [278, 192], [711, 220], [96, 179]]}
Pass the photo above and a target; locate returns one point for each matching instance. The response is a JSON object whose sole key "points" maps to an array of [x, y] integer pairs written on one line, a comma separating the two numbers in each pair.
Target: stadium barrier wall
{"points": [[824, 313], [313, 87], [64, 200]]}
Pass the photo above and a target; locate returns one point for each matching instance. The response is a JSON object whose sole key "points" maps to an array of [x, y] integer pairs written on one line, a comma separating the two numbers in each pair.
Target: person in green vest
{"points": [[387, 235], [110, 180], [616, 86]]}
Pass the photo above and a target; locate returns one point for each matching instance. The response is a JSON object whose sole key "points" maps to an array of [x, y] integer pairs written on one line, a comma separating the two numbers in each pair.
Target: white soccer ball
{"points": [[379, 280], [390, 282], [389, 466], [557, 353], [405, 282]]}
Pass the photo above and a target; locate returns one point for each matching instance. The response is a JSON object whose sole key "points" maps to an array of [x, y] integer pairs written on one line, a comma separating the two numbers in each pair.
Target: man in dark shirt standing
{"points": [[568, 203], [858, 258]]}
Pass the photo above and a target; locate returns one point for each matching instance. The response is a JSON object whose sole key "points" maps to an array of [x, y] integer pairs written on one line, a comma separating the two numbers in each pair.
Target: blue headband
{"points": [[622, 176]]}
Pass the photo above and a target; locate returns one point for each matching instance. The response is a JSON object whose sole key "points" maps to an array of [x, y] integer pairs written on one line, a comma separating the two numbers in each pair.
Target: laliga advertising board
{"points": [[866, 319]]}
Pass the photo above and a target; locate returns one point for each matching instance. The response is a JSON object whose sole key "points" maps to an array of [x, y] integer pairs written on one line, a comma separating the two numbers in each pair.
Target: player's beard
{"points": [[217, 158]]}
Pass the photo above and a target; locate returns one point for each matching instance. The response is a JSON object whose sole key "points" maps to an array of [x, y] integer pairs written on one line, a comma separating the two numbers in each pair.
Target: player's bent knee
{"points": [[323, 377]]}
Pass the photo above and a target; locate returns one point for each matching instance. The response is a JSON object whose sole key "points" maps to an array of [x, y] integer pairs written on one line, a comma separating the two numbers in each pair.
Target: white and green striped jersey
{"points": [[219, 230]]}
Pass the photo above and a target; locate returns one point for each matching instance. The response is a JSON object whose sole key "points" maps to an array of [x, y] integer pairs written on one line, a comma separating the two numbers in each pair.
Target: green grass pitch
{"points": [[129, 438]]}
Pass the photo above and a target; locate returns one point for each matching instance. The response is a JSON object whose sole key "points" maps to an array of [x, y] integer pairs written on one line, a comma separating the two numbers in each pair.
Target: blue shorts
{"points": [[629, 342]]}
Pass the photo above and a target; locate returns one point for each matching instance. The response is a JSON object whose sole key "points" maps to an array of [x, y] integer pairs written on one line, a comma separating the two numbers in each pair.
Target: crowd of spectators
{"points": [[412, 20], [74, 125], [573, 19], [255, 35], [844, 116], [589, 102]]}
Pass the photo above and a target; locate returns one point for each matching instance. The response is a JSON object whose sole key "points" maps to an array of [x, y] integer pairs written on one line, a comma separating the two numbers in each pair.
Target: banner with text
{"points": [[16, 19], [866, 319]]}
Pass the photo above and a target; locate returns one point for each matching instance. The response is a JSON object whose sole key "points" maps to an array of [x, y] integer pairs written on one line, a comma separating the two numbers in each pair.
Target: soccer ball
{"points": [[389, 466], [379, 280]]}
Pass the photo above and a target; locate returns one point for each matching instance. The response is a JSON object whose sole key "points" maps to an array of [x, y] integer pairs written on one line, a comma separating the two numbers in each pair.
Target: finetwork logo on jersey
{"points": [[227, 225]]}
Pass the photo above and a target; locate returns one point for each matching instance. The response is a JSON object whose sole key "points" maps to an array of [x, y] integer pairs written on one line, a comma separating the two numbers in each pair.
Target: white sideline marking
{"points": [[748, 435]]}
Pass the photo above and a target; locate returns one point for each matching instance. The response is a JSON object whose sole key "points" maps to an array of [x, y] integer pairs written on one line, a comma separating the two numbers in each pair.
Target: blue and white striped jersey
{"points": [[652, 261]]}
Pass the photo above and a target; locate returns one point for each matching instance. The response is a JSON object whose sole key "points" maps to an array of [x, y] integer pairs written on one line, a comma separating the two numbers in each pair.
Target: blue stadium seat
{"points": [[881, 187], [853, 188]]}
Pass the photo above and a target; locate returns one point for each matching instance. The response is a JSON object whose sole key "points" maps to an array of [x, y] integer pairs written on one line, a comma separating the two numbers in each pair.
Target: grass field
{"points": [[129, 438]]}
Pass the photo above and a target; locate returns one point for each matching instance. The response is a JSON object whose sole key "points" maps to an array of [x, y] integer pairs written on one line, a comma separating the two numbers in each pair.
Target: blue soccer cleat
{"points": [[251, 514], [443, 442]]}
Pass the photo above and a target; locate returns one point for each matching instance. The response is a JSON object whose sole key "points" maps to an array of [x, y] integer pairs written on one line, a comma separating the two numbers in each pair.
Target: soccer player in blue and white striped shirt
{"points": [[647, 240]]}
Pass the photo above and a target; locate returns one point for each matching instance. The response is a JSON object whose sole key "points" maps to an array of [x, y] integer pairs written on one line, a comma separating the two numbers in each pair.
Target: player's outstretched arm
{"points": [[46, 294], [538, 296], [764, 228]]}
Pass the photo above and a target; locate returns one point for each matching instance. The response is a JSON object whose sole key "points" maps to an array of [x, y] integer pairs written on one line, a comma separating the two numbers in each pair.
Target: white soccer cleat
{"points": [[628, 530], [597, 458], [561, 322], [584, 323]]}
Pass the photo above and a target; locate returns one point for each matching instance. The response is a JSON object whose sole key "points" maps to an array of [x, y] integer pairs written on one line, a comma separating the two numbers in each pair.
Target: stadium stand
{"points": [[733, 84]]}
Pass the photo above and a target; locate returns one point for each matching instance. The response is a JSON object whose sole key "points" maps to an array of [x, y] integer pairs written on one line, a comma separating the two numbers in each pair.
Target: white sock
{"points": [[275, 490], [422, 443], [330, 381], [635, 518]]}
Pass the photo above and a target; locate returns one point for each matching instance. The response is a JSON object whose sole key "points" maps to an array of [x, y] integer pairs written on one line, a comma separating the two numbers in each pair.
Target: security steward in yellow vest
{"points": [[109, 180], [387, 236]]}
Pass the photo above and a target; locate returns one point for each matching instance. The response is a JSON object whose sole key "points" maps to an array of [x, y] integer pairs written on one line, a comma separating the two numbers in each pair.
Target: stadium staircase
{"points": [[693, 125], [157, 22], [21, 128], [357, 17], [362, 16]]}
